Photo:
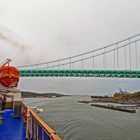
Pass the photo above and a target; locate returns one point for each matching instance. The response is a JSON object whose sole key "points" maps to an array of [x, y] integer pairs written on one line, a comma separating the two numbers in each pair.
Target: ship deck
{"points": [[12, 128]]}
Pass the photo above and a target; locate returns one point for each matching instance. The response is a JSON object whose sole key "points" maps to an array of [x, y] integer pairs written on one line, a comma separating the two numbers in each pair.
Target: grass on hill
{"points": [[26, 94]]}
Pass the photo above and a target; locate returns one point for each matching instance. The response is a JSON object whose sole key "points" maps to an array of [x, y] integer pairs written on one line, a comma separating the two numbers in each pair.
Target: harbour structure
{"points": [[119, 107]]}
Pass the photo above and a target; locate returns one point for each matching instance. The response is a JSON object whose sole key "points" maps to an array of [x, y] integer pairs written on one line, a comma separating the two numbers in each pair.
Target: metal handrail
{"points": [[37, 122]]}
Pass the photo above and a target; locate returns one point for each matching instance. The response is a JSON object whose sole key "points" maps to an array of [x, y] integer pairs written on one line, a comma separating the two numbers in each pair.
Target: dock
{"points": [[119, 107]]}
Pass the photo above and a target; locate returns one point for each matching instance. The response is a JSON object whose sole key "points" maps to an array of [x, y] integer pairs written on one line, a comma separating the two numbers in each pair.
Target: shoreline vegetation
{"points": [[132, 98], [121, 98], [28, 94]]}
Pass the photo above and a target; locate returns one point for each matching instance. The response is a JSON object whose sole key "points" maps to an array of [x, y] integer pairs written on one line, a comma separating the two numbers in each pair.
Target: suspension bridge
{"points": [[120, 59]]}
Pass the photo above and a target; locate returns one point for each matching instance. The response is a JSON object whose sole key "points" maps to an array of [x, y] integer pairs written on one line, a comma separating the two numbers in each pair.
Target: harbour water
{"points": [[77, 121]]}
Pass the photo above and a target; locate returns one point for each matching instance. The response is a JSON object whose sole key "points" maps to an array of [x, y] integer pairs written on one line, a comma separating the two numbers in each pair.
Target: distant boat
{"points": [[98, 98]]}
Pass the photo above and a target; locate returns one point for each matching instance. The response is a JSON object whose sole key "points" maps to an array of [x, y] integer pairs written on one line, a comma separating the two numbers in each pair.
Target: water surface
{"points": [[78, 121]]}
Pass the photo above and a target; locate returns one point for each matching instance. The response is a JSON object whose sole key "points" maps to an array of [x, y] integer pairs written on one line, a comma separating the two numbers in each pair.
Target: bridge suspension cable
{"points": [[130, 53], [136, 55], [104, 51]]}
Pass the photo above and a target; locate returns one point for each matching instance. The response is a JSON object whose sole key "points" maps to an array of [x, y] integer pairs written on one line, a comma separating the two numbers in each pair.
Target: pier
{"points": [[119, 107]]}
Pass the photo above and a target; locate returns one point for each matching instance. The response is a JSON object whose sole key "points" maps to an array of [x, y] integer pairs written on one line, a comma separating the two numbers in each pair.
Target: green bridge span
{"points": [[81, 73]]}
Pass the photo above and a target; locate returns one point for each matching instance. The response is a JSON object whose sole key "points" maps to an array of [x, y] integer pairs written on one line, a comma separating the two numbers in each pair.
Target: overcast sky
{"points": [[33, 31]]}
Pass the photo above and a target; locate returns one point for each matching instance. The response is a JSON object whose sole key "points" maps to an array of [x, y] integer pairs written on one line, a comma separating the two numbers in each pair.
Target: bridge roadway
{"points": [[81, 73]]}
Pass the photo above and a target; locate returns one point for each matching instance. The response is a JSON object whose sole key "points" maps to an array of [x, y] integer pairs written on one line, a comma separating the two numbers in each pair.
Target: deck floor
{"points": [[11, 128]]}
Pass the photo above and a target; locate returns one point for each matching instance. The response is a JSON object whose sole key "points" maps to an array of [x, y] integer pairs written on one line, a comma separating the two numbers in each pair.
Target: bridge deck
{"points": [[81, 73]]}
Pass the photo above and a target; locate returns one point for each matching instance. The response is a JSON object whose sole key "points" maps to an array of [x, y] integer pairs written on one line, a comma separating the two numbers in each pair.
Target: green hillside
{"points": [[26, 94]]}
